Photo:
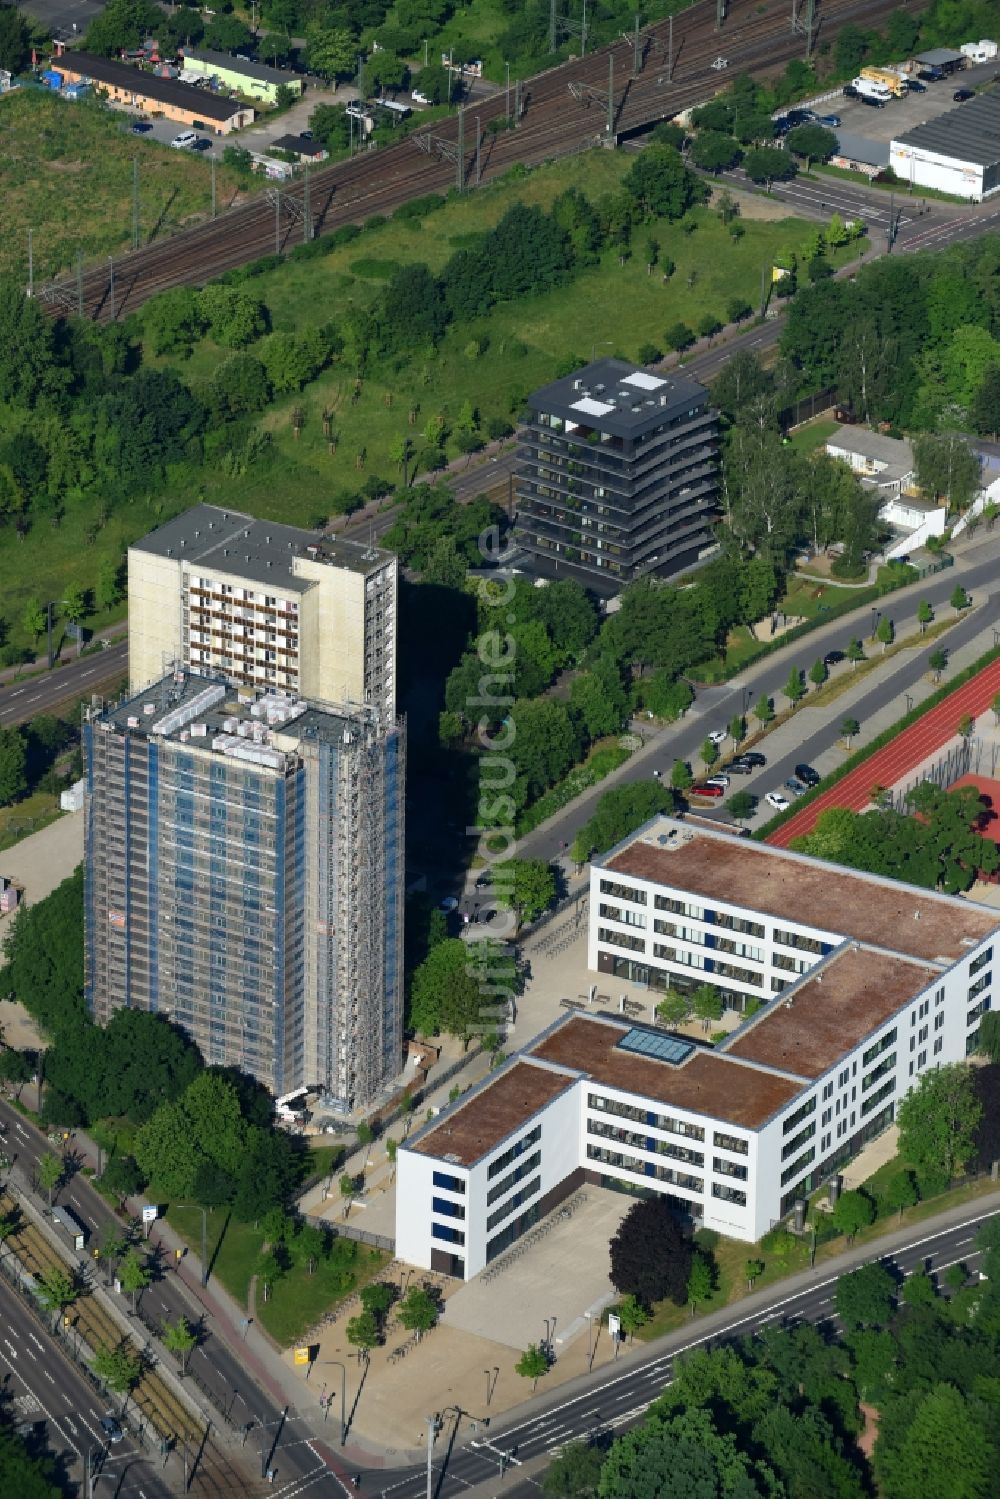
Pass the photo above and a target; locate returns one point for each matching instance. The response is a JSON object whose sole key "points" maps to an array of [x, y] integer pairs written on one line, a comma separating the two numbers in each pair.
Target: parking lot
{"points": [[901, 115]]}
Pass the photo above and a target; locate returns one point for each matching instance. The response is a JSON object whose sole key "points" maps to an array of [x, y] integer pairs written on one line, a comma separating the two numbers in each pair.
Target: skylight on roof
{"points": [[592, 408], [660, 1048], [644, 381]]}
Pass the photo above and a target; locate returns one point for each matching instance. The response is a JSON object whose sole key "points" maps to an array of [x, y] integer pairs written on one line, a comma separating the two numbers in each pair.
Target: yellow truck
{"points": [[892, 81]]}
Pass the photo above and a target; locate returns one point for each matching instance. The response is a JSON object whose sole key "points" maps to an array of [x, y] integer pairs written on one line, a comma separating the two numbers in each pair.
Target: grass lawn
{"points": [[609, 308], [813, 434], [67, 174], [902, 189], [807, 599], [296, 1301], [28, 816]]}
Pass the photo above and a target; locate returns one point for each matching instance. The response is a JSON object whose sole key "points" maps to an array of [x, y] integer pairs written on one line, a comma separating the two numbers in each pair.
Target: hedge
{"points": [[879, 742]]}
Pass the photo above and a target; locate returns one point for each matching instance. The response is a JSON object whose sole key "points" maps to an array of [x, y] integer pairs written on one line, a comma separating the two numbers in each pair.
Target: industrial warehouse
{"points": [[958, 152], [846, 1009]]}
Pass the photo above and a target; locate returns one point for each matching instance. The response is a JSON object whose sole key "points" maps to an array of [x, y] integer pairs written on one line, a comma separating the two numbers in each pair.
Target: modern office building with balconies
{"points": [[618, 473]]}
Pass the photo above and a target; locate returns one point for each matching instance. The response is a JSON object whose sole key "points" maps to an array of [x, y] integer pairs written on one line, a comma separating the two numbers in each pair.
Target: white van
{"points": [[184, 141]]}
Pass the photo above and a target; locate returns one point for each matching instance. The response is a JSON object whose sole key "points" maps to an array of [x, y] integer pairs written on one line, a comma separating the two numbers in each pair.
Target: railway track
{"points": [[162, 1410], [553, 123]]}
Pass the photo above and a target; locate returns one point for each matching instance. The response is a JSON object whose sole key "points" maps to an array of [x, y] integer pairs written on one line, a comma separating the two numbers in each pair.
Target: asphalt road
{"points": [[44, 1385], [618, 1397], [715, 706], [220, 1368], [43, 694]]}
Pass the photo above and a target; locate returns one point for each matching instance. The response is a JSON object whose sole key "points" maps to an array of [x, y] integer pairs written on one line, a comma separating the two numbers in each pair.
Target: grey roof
{"points": [[257, 70], [862, 148], [617, 397], [299, 145], [186, 697], [970, 132], [894, 451], [226, 541], [201, 103], [939, 57]]}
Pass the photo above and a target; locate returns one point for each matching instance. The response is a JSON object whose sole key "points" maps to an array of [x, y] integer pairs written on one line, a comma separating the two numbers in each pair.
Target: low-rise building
{"points": [[253, 79], [149, 94], [882, 463], [957, 152], [303, 147], [859, 984]]}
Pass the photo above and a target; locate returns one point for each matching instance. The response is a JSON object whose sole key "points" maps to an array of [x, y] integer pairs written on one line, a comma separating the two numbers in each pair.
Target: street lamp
{"points": [[343, 1398], [506, 109]]}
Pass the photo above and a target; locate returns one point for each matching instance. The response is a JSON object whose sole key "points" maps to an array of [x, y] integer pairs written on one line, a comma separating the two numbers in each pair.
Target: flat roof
{"points": [[147, 85], [706, 1082], [936, 57], [623, 399], [968, 133], [862, 148], [229, 64], [299, 145], [874, 445], [809, 1028], [227, 541], [473, 1129], [779, 883]]}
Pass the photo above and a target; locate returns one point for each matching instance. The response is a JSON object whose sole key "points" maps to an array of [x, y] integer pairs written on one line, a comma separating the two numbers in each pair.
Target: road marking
{"points": [[48, 1414], [10, 1345], [753, 1317], [38, 1345], [48, 1376], [19, 691]]}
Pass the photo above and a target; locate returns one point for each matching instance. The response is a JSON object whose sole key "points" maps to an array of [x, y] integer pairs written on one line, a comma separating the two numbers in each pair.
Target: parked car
{"points": [[961, 94], [754, 758], [202, 145], [830, 121], [807, 775], [717, 780], [418, 97], [140, 127], [702, 788], [915, 86], [184, 141], [795, 786], [778, 801], [718, 736], [832, 658], [739, 768], [872, 103], [111, 1428], [484, 879]]}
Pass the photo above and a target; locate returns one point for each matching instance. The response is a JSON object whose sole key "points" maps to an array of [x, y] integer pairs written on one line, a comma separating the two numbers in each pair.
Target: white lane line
{"points": [[752, 1317], [48, 1414]]}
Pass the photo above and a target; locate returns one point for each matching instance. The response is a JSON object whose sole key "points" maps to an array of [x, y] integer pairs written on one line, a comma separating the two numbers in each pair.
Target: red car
{"points": [[703, 790]]}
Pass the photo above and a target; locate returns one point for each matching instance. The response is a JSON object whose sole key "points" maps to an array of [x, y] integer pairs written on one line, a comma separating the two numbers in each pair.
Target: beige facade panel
{"points": [[155, 616]]}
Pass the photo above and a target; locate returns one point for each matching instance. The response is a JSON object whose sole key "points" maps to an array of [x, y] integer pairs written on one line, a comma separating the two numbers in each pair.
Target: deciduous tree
{"points": [[938, 1120], [651, 1254]]}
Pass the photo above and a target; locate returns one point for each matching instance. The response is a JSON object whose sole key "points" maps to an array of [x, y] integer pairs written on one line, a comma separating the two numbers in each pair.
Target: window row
{"points": [[657, 1121], [503, 1161], [645, 1142]]}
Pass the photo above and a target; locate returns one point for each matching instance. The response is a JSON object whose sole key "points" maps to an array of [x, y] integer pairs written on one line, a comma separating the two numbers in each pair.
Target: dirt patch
{"points": [[66, 166], [867, 1437], [754, 205]]}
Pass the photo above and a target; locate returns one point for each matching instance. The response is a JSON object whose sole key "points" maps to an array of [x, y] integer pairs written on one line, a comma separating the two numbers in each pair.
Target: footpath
{"points": [[729, 1320]]}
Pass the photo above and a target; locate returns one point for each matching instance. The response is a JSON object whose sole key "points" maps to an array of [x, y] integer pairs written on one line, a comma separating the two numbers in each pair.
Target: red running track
{"points": [[905, 753]]}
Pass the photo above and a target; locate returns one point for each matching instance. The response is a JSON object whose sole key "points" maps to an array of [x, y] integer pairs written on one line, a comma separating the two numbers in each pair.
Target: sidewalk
{"points": [[724, 1321]]}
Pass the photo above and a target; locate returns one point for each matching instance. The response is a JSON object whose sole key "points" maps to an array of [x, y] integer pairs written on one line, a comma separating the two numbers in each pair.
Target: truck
{"points": [[870, 88], [887, 76]]}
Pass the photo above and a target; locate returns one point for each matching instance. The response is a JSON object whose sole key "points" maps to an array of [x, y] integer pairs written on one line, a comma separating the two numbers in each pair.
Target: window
{"points": [[645, 1116], [801, 1113], [729, 1194], [722, 1167], [509, 1156], [885, 1066], [800, 1139], [986, 956], [886, 1091], [504, 1211], [804, 944], [731, 1142], [630, 918], [798, 1167], [448, 1235], [648, 1169], [981, 984], [623, 892], [739, 924], [529, 1164], [647, 1143], [828, 1090], [620, 939], [882, 1044], [938, 1045], [447, 1209]]}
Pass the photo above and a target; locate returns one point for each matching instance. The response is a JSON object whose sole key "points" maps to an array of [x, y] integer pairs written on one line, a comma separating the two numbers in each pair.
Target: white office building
{"points": [[862, 983]]}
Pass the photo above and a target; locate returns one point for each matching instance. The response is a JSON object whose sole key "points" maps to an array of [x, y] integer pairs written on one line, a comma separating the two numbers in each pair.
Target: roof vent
{"points": [[916, 915]]}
